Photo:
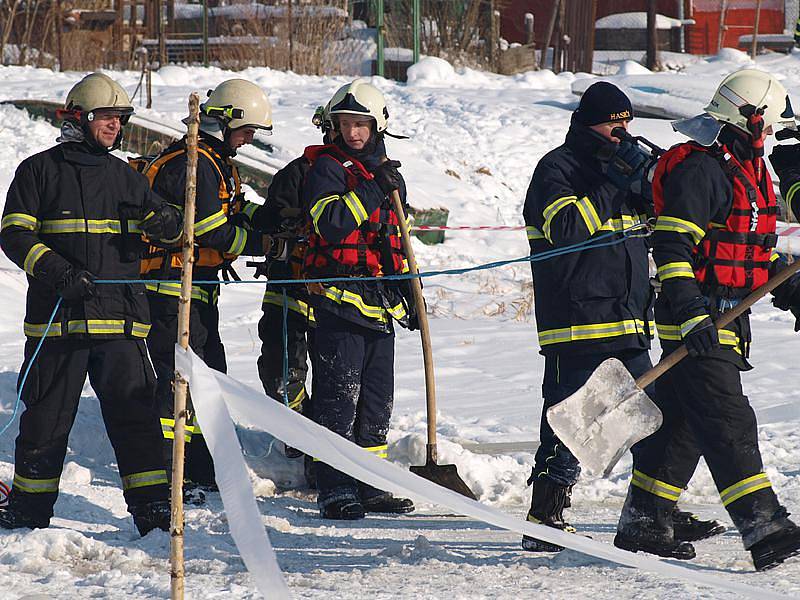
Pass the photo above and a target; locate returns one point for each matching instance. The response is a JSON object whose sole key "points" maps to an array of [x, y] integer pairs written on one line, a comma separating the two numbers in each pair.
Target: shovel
{"points": [[611, 412], [443, 475]]}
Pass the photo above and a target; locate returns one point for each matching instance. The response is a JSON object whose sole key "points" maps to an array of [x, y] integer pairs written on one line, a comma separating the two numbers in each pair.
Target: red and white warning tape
{"points": [[469, 228]]}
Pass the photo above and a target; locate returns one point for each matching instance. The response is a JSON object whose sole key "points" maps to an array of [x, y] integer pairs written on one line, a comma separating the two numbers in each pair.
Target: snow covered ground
{"points": [[475, 139]]}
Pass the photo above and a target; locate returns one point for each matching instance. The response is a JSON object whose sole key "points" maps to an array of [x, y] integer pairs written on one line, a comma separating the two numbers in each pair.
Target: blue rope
{"points": [[28, 368]]}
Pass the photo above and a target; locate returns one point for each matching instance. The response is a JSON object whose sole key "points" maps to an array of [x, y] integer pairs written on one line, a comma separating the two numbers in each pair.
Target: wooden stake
{"points": [[181, 386]]}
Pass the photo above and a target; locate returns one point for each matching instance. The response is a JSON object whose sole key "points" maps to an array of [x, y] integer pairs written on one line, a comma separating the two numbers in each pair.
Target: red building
{"points": [[701, 38]]}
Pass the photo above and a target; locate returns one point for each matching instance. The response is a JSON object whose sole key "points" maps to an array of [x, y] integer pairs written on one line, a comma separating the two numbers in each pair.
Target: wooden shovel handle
{"points": [[424, 329], [727, 317]]}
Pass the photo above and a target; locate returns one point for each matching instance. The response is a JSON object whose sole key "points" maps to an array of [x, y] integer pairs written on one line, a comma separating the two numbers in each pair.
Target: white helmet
{"points": [[753, 89], [239, 103], [360, 98], [97, 91]]}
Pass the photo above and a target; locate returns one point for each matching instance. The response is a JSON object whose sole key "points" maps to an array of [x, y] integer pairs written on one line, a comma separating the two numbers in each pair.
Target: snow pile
{"points": [[634, 20], [430, 70]]}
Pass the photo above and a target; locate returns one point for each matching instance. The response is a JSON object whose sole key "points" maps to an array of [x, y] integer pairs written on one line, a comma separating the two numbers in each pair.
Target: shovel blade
{"points": [[443, 475], [604, 418]]}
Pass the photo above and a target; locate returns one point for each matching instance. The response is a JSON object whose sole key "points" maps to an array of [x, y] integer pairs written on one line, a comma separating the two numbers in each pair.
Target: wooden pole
{"points": [[652, 36], [181, 386], [551, 25], [424, 329], [754, 46]]}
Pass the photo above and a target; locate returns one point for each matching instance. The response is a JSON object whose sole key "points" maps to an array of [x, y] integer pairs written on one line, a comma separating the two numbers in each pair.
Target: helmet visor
{"points": [[124, 113]]}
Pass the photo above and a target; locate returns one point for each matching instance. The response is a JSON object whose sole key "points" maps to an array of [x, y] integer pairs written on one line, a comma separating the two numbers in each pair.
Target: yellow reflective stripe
{"points": [[353, 202], [210, 223], [298, 306], [381, 451], [534, 233], [20, 220], [339, 296], [53, 226], [319, 206], [661, 489], [673, 333], [174, 289], [589, 214], [34, 254], [36, 330], [140, 329], [398, 312], [239, 240], [135, 226], [296, 403], [622, 223], [744, 487], [36, 486], [690, 324], [789, 193], [250, 209], [168, 429], [674, 224], [774, 256], [144, 479], [675, 269], [552, 209], [593, 331]]}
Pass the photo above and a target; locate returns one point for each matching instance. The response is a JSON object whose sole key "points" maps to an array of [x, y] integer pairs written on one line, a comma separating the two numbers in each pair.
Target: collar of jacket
{"points": [[738, 143], [218, 146], [81, 153], [370, 156], [587, 144]]}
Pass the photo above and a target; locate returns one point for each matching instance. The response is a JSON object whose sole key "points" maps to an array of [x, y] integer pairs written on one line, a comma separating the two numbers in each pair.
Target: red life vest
{"points": [[735, 254], [373, 249]]}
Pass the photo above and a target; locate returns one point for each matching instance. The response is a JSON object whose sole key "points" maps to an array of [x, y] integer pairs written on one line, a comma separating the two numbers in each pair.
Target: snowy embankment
{"points": [[475, 139]]}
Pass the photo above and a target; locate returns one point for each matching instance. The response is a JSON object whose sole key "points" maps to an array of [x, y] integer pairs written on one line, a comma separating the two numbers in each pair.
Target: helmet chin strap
{"points": [[755, 125]]}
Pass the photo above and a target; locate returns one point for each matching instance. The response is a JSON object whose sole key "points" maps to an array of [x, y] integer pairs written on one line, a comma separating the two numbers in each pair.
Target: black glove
{"points": [[785, 157], [165, 224], [702, 339], [387, 176], [627, 166], [286, 221], [76, 285]]}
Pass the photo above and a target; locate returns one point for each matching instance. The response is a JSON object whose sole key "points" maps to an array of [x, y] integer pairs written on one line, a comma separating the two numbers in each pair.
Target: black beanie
{"points": [[603, 102]]}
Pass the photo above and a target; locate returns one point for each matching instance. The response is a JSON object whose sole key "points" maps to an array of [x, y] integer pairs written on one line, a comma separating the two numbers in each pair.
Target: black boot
{"points": [[11, 517], [343, 510], [151, 515], [547, 508], [690, 528], [776, 548], [646, 524], [386, 503]]}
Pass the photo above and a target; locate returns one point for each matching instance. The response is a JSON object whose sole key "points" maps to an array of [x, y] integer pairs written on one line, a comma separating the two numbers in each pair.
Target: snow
{"points": [[634, 20], [475, 139]]}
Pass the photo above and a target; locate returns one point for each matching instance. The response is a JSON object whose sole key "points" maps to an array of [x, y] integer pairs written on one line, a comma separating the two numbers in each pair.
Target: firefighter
{"points": [[75, 213], [229, 118], [713, 245], [797, 33], [281, 215], [593, 304], [354, 232]]}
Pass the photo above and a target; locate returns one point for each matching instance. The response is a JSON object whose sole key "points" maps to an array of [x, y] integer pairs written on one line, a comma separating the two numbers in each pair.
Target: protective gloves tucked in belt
{"points": [[627, 165], [702, 339], [76, 284], [387, 176]]}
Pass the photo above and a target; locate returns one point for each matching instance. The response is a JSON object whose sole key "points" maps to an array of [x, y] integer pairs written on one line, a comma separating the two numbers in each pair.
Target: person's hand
{"points": [[784, 157], [76, 285], [702, 339], [627, 166], [275, 248], [163, 224], [387, 176]]}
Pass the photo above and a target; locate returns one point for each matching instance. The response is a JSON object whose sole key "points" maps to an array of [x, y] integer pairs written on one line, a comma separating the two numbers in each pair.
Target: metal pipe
{"points": [[379, 68], [415, 18]]}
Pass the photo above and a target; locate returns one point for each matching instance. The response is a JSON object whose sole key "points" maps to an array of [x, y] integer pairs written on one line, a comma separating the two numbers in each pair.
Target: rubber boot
{"points": [[776, 548], [547, 508], [386, 503], [343, 510], [12, 517], [646, 524], [690, 528], [151, 515]]}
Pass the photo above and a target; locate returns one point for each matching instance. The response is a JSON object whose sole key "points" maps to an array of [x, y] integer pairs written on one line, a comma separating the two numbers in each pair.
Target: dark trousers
{"points": [[123, 379], [270, 363], [353, 391], [564, 374], [706, 413], [204, 340]]}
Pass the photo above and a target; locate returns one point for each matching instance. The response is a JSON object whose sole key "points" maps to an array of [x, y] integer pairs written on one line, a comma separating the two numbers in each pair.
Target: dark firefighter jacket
{"points": [[220, 238], [785, 160], [286, 192], [697, 194], [596, 300], [329, 206], [69, 206]]}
